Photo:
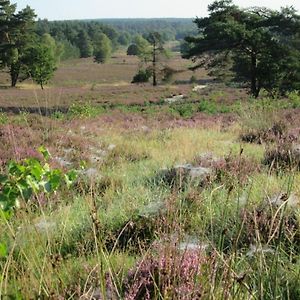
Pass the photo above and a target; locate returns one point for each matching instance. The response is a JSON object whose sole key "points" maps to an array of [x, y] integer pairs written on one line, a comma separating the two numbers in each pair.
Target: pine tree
{"points": [[261, 45], [102, 48], [15, 35], [84, 44]]}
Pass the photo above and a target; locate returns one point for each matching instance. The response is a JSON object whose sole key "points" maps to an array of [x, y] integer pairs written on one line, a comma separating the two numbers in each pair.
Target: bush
{"points": [[85, 110], [168, 74], [285, 156], [208, 107], [142, 76], [193, 79], [172, 274], [185, 110], [133, 49], [294, 98]]}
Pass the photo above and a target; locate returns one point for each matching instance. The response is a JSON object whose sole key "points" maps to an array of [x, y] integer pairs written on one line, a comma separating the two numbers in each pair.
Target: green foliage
{"points": [[56, 48], [208, 107], [133, 49], [84, 44], [29, 178], [294, 98], [3, 250], [85, 110], [40, 63], [16, 35], [143, 51], [142, 76], [193, 79], [102, 48], [154, 53], [124, 39], [3, 118], [70, 51], [185, 110], [260, 46]]}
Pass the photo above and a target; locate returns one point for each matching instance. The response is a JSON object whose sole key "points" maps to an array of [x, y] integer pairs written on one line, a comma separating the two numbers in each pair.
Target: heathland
{"points": [[117, 190]]}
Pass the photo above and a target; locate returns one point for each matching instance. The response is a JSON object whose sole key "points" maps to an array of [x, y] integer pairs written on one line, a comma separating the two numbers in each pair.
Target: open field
{"points": [[193, 199], [83, 81]]}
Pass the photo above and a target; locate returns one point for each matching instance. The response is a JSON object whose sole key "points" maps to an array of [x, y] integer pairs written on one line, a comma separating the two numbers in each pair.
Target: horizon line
{"points": [[119, 18]]}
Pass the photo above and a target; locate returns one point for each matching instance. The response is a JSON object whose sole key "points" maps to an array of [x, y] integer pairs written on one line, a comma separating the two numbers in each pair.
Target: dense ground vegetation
{"points": [[112, 190]]}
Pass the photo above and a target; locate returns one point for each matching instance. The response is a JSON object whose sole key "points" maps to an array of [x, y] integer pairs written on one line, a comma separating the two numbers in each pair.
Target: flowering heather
{"points": [[168, 274]]}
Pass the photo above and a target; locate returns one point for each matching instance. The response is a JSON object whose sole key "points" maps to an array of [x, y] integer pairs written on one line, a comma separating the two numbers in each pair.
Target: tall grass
{"points": [[123, 234]]}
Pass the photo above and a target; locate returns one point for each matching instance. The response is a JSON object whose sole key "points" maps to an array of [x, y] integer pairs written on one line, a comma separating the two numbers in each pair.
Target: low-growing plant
{"points": [[29, 178], [185, 110], [294, 98], [168, 274], [208, 107], [142, 76], [85, 110], [193, 79], [3, 118], [284, 156]]}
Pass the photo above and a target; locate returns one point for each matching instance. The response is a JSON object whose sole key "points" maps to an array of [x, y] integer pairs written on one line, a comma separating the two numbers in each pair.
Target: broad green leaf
{"points": [[3, 178], [70, 177], [3, 250], [44, 151]]}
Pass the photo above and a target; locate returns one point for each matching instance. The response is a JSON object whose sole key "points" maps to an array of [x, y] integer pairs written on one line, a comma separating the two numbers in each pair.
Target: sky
{"points": [[93, 9]]}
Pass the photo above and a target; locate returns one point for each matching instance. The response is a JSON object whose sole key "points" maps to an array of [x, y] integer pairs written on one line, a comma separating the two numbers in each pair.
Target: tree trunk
{"points": [[254, 88], [14, 75], [14, 79], [154, 65]]}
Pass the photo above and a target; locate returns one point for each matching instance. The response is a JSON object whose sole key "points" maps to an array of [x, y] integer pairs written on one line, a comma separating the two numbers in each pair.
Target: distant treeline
{"points": [[79, 38]]}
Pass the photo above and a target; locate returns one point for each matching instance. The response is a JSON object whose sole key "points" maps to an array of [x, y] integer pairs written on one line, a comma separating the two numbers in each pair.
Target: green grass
{"points": [[81, 249], [78, 241]]}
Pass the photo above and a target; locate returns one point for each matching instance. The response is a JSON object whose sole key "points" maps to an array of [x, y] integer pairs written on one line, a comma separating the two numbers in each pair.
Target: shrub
{"points": [[265, 135], [142, 76], [133, 49], [168, 274], [85, 110], [3, 118], [284, 156], [30, 178], [208, 107], [185, 110], [168, 74], [261, 122], [294, 98], [193, 79]]}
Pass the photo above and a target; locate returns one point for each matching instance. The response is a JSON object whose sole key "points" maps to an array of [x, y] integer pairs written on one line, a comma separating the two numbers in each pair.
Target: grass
{"points": [[123, 232], [213, 215]]}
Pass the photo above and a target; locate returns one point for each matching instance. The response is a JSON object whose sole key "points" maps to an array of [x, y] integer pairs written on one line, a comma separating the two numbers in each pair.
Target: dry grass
{"points": [[82, 80]]}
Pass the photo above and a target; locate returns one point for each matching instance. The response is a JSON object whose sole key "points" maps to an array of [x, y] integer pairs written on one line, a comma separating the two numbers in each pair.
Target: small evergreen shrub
{"points": [[142, 76]]}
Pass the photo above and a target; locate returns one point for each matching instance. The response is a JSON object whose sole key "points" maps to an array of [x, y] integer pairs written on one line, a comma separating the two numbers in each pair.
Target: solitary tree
{"points": [[133, 49], [151, 52], [102, 48], [16, 34], [157, 49], [259, 43], [40, 63]]}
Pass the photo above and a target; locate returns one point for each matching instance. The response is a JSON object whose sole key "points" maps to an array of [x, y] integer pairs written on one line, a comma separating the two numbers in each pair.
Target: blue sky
{"points": [[87, 9]]}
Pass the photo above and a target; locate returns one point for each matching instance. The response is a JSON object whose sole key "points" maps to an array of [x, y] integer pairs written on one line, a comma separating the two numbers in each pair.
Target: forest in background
{"points": [[78, 37]]}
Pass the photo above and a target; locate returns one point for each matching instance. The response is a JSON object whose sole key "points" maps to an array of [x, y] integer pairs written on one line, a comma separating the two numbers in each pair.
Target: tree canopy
{"points": [[102, 48], [15, 35], [261, 45]]}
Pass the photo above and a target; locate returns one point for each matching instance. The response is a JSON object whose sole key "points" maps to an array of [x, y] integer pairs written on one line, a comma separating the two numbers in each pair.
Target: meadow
{"points": [[187, 190]]}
